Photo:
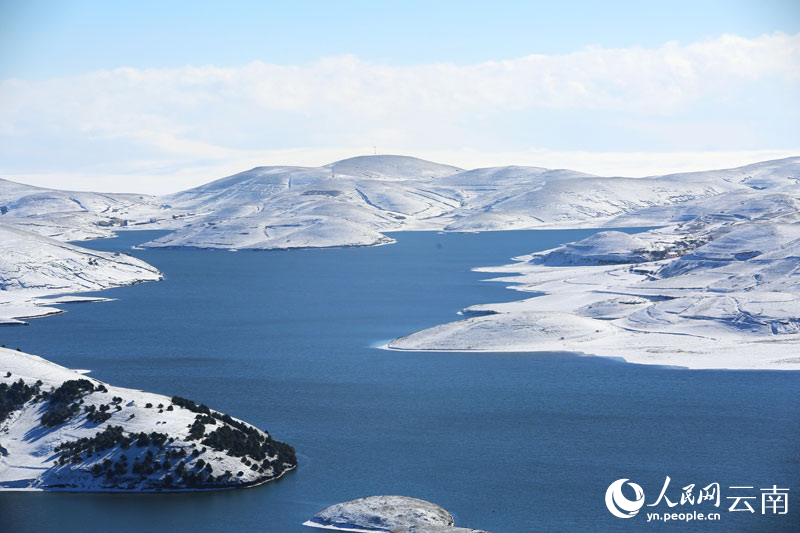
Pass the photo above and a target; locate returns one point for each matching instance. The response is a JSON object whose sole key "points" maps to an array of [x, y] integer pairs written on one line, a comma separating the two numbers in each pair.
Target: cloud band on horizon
{"points": [[729, 94]]}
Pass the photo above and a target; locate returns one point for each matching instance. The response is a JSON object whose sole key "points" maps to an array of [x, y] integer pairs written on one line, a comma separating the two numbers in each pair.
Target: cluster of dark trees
{"points": [[241, 440], [237, 442], [237, 438], [104, 440], [152, 439], [190, 405], [150, 464], [111, 469], [199, 479], [63, 403], [14, 396], [171, 461], [197, 430], [231, 436], [99, 415], [109, 438], [199, 475], [59, 413]]}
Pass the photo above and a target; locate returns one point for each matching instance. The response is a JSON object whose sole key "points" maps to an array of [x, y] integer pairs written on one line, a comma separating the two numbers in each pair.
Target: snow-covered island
{"points": [[399, 514], [62, 430]]}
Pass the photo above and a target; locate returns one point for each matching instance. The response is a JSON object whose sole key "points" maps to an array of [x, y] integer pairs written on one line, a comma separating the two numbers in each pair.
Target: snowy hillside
{"points": [[352, 202], [73, 215], [33, 266], [347, 203], [399, 514], [391, 167], [720, 290], [60, 430]]}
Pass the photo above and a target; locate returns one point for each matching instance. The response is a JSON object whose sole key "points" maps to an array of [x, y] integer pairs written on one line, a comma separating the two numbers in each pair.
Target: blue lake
{"points": [[506, 442]]}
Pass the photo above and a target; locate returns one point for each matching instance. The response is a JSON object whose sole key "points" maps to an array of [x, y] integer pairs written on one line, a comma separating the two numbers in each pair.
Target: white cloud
{"points": [[595, 99]]}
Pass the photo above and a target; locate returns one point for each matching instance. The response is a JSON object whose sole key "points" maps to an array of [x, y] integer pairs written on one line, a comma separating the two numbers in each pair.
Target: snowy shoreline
{"points": [[250, 485], [690, 364], [725, 296]]}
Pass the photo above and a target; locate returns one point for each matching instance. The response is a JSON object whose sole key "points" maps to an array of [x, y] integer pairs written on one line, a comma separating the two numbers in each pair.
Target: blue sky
{"points": [[156, 96], [55, 38]]}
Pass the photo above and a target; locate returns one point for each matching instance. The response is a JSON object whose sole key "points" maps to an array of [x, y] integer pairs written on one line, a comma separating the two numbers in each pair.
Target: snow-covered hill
{"points": [[391, 167], [74, 215], [33, 267], [352, 202], [61, 430], [347, 203]]}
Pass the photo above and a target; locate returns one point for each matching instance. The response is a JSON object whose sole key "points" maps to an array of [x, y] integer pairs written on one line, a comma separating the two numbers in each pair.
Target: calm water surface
{"points": [[506, 442]]}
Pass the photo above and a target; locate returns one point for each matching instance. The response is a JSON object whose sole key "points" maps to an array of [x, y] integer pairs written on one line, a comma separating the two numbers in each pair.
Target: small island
{"points": [[399, 514]]}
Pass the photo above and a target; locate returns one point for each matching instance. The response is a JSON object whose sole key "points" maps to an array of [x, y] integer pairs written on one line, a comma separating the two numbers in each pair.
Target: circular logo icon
{"points": [[621, 506]]}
